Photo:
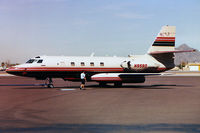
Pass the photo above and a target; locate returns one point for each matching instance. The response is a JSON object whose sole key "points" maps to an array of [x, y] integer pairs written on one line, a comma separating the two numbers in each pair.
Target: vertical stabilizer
{"points": [[165, 40]]}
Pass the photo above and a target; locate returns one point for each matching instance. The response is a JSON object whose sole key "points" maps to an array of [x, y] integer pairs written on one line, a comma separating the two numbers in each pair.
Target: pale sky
{"points": [[79, 27]]}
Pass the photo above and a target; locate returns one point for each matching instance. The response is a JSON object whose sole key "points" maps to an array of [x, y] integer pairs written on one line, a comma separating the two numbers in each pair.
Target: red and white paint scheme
{"points": [[117, 70]]}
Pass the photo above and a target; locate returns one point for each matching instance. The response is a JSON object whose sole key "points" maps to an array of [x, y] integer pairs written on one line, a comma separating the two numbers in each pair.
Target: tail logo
{"points": [[165, 34]]}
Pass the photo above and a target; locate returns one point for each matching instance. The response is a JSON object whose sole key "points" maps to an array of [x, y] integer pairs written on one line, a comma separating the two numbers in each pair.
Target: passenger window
{"points": [[40, 61], [101, 64], [91, 63], [72, 63], [82, 64]]}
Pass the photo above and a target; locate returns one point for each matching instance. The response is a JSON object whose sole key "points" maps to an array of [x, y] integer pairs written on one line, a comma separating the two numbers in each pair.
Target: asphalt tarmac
{"points": [[169, 104]]}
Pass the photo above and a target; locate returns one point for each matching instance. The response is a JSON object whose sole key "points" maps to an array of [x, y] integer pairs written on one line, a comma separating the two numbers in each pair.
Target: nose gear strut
{"points": [[49, 82]]}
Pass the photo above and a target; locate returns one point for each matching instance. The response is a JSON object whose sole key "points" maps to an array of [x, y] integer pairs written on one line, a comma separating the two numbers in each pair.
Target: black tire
{"points": [[118, 84], [50, 86], [102, 84]]}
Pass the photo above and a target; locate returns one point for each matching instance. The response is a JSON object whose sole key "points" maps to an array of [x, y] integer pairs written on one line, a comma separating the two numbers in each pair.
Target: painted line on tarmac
{"points": [[68, 89]]}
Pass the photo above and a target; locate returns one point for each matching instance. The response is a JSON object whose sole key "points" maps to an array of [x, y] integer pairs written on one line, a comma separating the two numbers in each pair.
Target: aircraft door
{"points": [[126, 64]]}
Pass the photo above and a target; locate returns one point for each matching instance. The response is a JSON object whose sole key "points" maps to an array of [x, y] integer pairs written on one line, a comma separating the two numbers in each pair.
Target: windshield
{"points": [[31, 61]]}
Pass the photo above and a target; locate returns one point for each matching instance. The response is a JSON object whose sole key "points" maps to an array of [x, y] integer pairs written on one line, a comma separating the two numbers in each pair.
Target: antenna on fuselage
{"points": [[92, 54]]}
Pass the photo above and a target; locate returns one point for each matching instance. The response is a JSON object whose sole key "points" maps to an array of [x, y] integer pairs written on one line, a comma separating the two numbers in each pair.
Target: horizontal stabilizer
{"points": [[175, 51]]}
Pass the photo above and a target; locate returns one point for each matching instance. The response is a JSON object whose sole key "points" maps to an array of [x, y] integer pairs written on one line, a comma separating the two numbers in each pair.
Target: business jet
{"points": [[117, 70]]}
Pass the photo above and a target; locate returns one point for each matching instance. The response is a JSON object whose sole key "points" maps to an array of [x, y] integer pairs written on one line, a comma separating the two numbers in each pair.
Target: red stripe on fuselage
{"points": [[161, 69], [49, 69]]}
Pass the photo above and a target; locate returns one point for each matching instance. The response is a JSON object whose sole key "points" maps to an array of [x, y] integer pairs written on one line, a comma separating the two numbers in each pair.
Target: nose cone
{"points": [[15, 71], [10, 69]]}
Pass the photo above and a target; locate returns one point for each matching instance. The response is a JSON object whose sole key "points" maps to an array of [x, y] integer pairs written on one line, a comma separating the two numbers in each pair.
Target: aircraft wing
{"points": [[121, 76]]}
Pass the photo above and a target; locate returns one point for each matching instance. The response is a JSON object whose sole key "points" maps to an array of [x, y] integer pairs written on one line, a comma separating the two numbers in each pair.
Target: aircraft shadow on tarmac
{"points": [[96, 86], [22, 84], [154, 86], [107, 128]]}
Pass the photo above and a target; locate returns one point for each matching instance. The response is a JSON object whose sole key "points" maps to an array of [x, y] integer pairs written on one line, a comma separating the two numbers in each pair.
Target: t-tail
{"points": [[165, 41], [163, 48]]}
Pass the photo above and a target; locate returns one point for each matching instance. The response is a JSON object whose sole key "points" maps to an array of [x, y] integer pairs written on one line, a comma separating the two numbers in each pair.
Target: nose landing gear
{"points": [[49, 83]]}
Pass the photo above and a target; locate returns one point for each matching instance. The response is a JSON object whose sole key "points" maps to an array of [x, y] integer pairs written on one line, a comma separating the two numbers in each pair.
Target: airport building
{"points": [[193, 66]]}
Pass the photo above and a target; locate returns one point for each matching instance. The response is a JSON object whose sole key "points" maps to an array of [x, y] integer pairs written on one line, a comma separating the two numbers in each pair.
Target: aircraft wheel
{"points": [[118, 84], [50, 86], [102, 84], [50, 83]]}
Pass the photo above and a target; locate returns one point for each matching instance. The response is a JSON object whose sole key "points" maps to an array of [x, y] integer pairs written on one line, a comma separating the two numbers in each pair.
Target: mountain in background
{"points": [[187, 57]]}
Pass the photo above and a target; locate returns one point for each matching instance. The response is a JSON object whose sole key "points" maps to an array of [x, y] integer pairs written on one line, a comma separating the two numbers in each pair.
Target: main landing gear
{"points": [[102, 84], [118, 84], [49, 83]]}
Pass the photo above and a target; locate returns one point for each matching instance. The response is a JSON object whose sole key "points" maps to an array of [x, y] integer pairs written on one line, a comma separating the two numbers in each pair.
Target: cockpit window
{"points": [[40, 61], [31, 61]]}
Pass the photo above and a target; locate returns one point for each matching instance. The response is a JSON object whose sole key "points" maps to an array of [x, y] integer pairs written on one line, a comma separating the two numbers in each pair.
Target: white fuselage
{"points": [[70, 67], [88, 63]]}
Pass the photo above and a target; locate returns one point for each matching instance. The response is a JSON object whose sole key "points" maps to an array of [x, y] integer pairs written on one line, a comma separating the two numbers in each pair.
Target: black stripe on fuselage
{"points": [[164, 44]]}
